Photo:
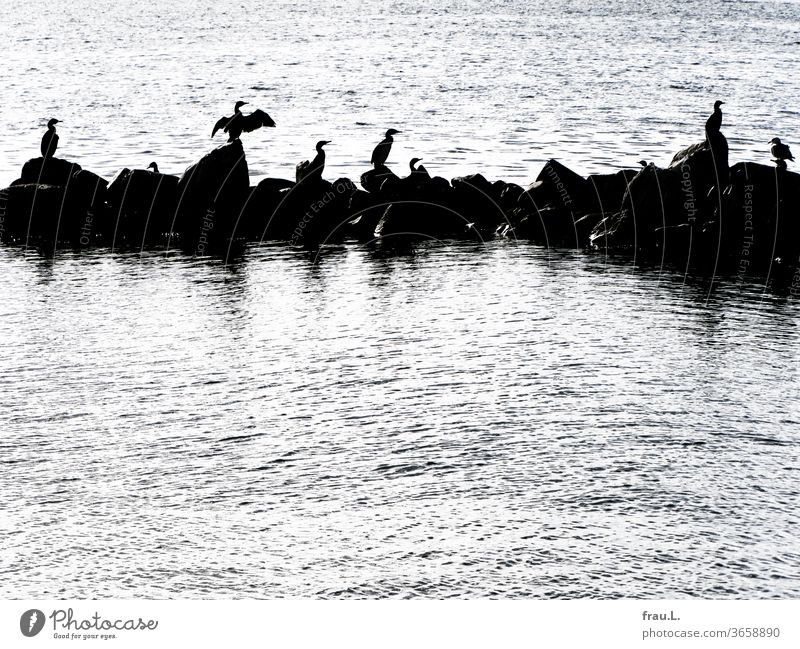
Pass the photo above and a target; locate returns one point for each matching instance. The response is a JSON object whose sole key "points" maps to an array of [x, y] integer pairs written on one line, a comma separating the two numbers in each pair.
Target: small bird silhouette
{"points": [[50, 139], [714, 122], [381, 152], [311, 171], [780, 151]]}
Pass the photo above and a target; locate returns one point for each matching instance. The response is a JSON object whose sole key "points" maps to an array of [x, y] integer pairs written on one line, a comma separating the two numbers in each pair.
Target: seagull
{"points": [[381, 152], [239, 122], [50, 139], [780, 151], [714, 122], [312, 171]]}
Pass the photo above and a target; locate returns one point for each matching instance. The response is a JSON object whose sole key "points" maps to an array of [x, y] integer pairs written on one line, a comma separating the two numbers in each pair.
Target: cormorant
{"points": [[418, 171], [313, 170], [779, 150], [154, 167], [381, 152], [714, 122], [239, 122], [50, 139], [643, 163]]}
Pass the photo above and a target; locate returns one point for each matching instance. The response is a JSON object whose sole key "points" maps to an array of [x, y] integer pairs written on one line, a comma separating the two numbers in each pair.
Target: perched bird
{"points": [[643, 163], [154, 167], [312, 171], [779, 150], [714, 122], [381, 152], [418, 171], [50, 139], [239, 122]]}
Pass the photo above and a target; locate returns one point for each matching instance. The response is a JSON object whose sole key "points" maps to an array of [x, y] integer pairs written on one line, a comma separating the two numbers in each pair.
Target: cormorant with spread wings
{"points": [[239, 122]]}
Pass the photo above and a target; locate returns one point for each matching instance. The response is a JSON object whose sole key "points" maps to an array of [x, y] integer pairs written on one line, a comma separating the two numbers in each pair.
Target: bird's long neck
{"points": [[236, 109], [388, 139], [51, 128]]}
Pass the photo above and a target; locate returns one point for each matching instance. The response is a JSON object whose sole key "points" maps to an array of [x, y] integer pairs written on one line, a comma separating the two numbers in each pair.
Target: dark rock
{"points": [[142, 205], [211, 195], [607, 190], [477, 202], [48, 171], [31, 211], [373, 180], [556, 186], [758, 216], [258, 217]]}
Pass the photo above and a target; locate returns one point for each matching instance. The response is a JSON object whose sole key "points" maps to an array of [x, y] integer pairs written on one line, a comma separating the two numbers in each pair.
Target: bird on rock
{"points": [[312, 171], [780, 151], [239, 122], [714, 122], [381, 152], [50, 139]]}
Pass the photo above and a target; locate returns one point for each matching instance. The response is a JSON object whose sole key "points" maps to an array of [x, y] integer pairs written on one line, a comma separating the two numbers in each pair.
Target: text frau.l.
{"points": [[66, 619]]}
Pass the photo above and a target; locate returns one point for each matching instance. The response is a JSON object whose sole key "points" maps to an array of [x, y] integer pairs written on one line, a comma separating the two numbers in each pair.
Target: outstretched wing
{"points": [[256, 119], [222, 122]]}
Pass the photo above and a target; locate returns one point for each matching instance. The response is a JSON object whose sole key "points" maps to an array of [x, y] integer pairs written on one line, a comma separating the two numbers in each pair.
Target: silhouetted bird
{"points": [[714, 122], [643, 163], [154, 167], [50, 139], [779, 150], [381, 152], [418, 171], [239, 122], [312, 171]]}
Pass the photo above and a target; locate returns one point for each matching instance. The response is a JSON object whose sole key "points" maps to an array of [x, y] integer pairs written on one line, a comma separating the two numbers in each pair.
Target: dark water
{"points": [[468, 421]]}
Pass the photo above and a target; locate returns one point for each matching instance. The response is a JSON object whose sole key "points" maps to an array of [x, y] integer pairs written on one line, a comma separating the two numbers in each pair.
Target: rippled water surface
{"points": [[458, 421], [497, 86], [461, 421]]}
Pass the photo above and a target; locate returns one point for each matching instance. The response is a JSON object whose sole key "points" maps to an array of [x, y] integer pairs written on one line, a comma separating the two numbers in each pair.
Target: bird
{"points": [[50, 139], [643, 163], [312, 171], [779, 150], [418, 171], [714, 122], [239, 122], [381, 152], [154, 167]]}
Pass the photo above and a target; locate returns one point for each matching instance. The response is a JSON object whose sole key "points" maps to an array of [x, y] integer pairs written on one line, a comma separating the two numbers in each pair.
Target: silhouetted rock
{"points": [[142, 205], [50, 171], [478, 202], [607, 191], [759, 216], [259, 215], [556, 186], [373, 180], [211, 195]]}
